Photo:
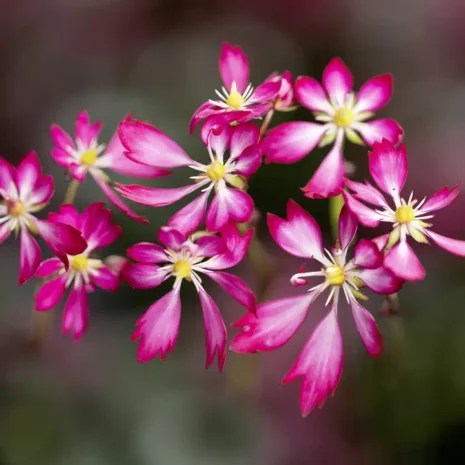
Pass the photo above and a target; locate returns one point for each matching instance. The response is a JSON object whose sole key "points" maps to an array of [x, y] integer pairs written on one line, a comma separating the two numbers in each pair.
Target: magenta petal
{"points": [[106, 279], [148, 145], [441, 199], [374, 94], [347, 227], [244, 136], [300, 235], [265, 92], [146, 252], [377, 130], [158, 327], [209, 246], [215, 330], [366, 192], [249, 161], [144, 275], [381, 280], [219, 138], [328, 179], [234, 67], [310, 93], [50, 293], [403, 262], [76, 314], [48, 267], [87, 132], [451, 245], [367, 328], [29, 257], [67, 214], [8, 177], [337, 80], [365, 215], [367, 255], [27, 174], [290, 142], [204, 111], [171, 238], [222, 118], [43, 190], [189, 218], [61, 138]]}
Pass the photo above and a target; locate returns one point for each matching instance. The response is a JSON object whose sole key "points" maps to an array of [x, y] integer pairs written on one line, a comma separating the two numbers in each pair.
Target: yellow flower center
{"points": [[182, 269], [89, 157], [235, 99], [335, 275], [343, 117], [405, 214], [216, 171], [16, 208], [79, 263]]}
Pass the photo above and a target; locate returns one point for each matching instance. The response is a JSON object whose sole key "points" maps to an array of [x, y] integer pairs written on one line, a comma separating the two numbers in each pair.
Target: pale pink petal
{"points": [[337, 80], [204, 111], [403, 262], [347, 227], [367, 328], [367, 255], [86, 132], [50, 293], [106, 279], [8, 177], [381, 242], [328, 179], [310, 93], [234, 67], [146, 252], [249, 161], [366, 192], [377, 130], [215, 330], [290, 142], [29, 257], [171, 238], [61, 138], [441, 199], [451, 245], [244, 136], [158, 327], [146, 144], [43, 190], [374, 94], [189, 218], [48, 267], [27, 175], [299, 235], [381, 280], [365, 215], [265, 92], [76, 314], [144, 275], [209, 246]]}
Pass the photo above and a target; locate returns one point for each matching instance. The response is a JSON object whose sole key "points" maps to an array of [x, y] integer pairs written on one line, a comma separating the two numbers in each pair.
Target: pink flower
{"points": [[284, 100], [388, 167], [222, 175], [186, 259], [320, 362], [86, 271], [343, 114], [85, 155], [237, 92], [26, 191]]}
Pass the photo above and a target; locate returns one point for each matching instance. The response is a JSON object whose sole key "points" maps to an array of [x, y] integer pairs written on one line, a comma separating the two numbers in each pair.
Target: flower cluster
{"points": [[213, 232]]}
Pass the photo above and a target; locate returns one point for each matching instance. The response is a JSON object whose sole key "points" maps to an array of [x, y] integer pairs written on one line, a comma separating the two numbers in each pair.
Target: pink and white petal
{"points": [[403, 262], [153, 196], [190, 217], [62, 157], [48, 267], [85, 131], [215, 330], [204, 111], [367, 193], [236, 288], [265, 92], [377, 130], [5, 231], [76, 314], [144, 275], [158, 327], [105, 278], [146, 252], [8, 178], [28, 174], [328, 179], [367, 328], [50, 293], [171, 238], [43, 190], [310, 94], [209, 246], [29, 257], [223, 118], [381, 280], [234, 67], [78, 172], [299, 235], [453, 246], [249, 161], [148, 145], [61, 138], [337, 80], [441, 199], [290, 142], [347, 227], [381, 242], [243, 136], [374, 94], [276, 322], [367, 255], [66, 214], [259, 110], [365, 215], [219, 138]]}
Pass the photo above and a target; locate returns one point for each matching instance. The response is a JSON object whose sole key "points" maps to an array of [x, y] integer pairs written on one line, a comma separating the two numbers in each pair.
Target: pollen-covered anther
{"points": [[216, 171], [89, 157], [405, 214], [335, 275], [16, 208], [235, 99], [182, 269], [344, 117], [79, 262]]}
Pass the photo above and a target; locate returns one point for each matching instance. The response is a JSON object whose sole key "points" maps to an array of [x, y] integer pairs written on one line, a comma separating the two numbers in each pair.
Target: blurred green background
{"points": [[90, 403]]}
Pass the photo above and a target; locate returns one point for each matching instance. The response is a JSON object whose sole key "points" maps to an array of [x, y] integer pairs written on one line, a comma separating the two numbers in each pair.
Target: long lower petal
{"points": [[403, 262], [50, 293], [76, 314], [29, 257], [451, 245], [190, 217]]}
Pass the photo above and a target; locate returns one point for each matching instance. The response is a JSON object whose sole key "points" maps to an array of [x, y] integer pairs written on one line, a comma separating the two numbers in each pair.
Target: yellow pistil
{"points": [[405, 214], [335, 275], [89, 157], [216, 171], [344, 117], [235, 99], [182, 269], [16, 208], [79, 263]]}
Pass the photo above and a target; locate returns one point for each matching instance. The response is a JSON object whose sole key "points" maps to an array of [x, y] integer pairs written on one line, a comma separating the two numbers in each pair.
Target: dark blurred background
{"points": [[90, 403]]}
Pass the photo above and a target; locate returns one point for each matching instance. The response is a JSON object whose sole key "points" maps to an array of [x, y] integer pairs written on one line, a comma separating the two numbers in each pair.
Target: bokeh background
{"points": [[90, 403]]}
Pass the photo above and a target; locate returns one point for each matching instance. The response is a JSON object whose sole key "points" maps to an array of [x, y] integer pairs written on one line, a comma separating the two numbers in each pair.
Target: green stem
{"points": [[71, 192]]}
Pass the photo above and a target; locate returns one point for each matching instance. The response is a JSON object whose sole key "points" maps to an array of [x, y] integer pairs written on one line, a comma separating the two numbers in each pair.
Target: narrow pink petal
{"points": [[146, 252], [290, 142], [381, 280], [209, 246], [190, 217], [50, 293], [365, 215], [403, 262], [8, 177], [28, 174], [275, 323], [366, 192], [243, 136], [66, 214], [451, 245], [61, 138], [29, 257], [215, 330], [48, 267], [367, 328], [144, 275], [259, 110], [171, 238], [76, 314], [249, 161], [204, 111], [337, 80], [441, 199], [234, 67], [62, 157], [310, 94], [43, 190], [106, 278], [374, 94], [377, 130], [146, 144], [158, 327], [5, 231], [347, 227], [299, 235], [328, 179], [265, 92], [367, 255]]}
